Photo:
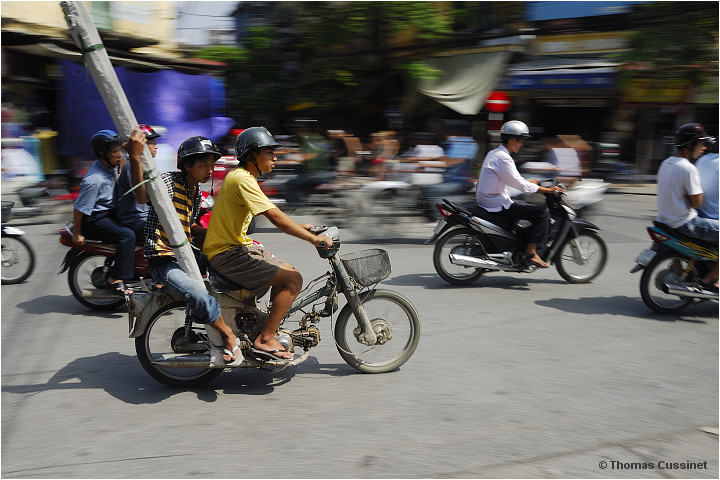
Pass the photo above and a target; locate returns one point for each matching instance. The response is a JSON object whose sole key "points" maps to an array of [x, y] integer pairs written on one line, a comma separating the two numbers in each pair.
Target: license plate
{"points": [[441, 224], [645, 257]]}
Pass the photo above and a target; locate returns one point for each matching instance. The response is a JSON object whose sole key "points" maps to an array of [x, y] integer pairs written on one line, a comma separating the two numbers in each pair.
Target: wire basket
{"points": [[367, 267], [6, 211]]}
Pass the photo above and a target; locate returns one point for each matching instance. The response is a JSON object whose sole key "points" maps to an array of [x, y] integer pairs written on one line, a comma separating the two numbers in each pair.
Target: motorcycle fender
{"points": [[441, 227], [581, 224], [142, 306], [69, 257], [10, 231]]}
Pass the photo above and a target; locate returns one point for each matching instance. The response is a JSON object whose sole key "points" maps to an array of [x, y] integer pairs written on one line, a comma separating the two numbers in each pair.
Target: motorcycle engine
{"points": [[306, 338]]}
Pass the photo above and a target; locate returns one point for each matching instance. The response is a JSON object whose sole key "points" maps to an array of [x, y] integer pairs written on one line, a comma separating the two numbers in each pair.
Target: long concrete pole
{"points": [[96, 60]]}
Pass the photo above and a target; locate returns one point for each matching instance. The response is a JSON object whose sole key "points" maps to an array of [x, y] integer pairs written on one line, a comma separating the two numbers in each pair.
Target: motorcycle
{"points": [[18, 256], [88, 266], [180, 353], [673, 267], [469, 246]]}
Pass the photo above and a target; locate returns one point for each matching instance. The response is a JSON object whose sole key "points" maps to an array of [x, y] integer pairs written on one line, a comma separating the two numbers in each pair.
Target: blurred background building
{"points": [[586, 70]]}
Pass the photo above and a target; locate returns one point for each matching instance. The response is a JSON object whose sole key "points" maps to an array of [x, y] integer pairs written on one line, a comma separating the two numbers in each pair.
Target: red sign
{"points": [[497, 102]]}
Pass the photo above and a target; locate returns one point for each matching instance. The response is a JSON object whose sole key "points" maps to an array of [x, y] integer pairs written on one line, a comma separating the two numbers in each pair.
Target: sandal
{"points": [[528, 260], [119, 288]]}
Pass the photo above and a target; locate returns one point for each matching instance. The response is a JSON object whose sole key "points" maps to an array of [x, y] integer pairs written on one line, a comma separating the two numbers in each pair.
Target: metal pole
{"points": [[96, 60]]}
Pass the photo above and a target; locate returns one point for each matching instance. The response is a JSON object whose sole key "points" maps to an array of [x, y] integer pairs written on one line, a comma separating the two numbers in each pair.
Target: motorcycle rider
{"points": [[497, 173], [94, 209], [195, 160], [234, 255], [131, 213], [679, 191]]}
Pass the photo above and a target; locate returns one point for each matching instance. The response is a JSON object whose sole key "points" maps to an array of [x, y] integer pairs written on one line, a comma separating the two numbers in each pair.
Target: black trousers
{"points": [[537, 215]]}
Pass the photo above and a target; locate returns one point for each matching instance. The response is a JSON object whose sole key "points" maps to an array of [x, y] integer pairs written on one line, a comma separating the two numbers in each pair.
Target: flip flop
{"points": [[216, 353]]}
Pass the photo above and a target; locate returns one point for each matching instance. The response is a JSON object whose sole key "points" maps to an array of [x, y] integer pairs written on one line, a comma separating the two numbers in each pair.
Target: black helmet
{"points": [[690, 132], [253, 138], [102, 140], [149, 132], [196, 146]]}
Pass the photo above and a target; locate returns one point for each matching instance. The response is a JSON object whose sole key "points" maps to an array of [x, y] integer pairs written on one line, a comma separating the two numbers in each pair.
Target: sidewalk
{"points": [[633, 188]]}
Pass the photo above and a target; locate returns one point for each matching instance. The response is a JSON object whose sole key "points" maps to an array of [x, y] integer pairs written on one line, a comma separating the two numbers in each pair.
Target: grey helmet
{"points": [[252, 139], [514, 129]]}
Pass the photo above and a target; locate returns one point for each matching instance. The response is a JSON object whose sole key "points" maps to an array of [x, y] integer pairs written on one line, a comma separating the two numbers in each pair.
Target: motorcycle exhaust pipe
{"points": [[467, 261], [203, 361], [688, 291]]}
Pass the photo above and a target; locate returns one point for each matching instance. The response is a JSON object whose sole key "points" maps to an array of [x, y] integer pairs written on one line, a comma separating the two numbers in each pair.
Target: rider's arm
{"points": [[287, 225], [135, 147], [695, 201], [78, 237]]}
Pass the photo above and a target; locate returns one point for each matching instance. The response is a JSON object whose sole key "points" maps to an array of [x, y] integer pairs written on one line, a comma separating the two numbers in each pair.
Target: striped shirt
{"points": [[157, 243]]}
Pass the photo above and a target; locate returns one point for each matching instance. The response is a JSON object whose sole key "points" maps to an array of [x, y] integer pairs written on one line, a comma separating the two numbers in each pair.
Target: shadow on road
{"points": [[58, 304], [122, 377], [494, 280], [628, 306]]}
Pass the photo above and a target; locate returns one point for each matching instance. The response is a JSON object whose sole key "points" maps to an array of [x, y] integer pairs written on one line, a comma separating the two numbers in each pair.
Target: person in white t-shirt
{"points": [[497, 173], [679, 190]]}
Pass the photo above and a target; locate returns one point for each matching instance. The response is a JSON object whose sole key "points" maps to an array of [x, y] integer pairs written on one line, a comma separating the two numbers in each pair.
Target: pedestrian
{"points": [[680, 194], [497, 173], [195, 161], [94, 209], [234, 255]]}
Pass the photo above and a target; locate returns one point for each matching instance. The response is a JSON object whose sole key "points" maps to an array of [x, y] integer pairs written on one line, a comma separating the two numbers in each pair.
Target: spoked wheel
{"points": [[396, 325], [459, 241], [164, 335], [666, 268], [86, 273], [18, 260], [582, 258]]}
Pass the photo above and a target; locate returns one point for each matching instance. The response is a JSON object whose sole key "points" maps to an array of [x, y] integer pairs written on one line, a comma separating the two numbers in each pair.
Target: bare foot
{"points": [[535, 258], [118, 288], [272, 346]]}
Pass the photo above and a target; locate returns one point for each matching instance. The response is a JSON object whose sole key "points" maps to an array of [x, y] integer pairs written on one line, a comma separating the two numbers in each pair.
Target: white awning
{"points": [[468, 80]]}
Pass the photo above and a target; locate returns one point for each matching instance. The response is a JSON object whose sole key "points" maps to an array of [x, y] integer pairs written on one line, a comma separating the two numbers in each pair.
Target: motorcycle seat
{"points": [[221, 283], [686, 238], [508, 225]]}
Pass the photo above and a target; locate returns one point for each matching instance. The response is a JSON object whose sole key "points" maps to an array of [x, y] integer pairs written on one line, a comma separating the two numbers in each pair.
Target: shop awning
{"points": [[468, 80]]}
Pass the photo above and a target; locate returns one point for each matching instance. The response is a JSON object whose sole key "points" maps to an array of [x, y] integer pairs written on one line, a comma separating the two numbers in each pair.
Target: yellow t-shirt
{"points": [[239, 200]]}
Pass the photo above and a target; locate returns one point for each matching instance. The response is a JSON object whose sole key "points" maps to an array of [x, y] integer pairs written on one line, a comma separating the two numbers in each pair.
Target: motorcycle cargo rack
{"points": [[367, 267]]}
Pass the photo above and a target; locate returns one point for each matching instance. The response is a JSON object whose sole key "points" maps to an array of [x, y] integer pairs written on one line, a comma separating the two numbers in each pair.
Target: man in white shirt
{"points": [[497, 173], [679, 190]]}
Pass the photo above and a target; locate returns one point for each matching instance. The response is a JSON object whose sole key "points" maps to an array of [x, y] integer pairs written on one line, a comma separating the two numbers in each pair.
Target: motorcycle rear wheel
{"points": [[583, 258], [18, 260], [158, 340], [396, 323], [80, 278], [459, 238], [666, 266]]}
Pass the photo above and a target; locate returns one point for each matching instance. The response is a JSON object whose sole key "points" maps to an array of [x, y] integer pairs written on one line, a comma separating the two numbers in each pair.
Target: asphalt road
{"points": [[515, 376]]}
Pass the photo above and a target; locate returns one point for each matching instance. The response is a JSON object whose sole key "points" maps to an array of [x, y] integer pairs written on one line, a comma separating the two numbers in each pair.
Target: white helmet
{"points": [[514, 129]]}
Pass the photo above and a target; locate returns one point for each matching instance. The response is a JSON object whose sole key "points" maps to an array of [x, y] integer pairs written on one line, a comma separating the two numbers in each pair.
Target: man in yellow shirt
{"points": [[234, 255]]}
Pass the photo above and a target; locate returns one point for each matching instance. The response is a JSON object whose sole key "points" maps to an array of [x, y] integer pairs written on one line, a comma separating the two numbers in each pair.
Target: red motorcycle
{"points": [[88, 266]]}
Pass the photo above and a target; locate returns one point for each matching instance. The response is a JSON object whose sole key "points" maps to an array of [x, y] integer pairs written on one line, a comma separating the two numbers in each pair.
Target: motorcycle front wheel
{"points": [[668, 267], [161, 336], [80, 277], [18, 260], [394, 321], [461, 241], [582, 258]]}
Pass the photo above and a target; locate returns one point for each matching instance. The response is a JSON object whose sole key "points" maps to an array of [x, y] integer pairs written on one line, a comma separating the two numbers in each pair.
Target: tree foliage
{"points": [[673, 41]]}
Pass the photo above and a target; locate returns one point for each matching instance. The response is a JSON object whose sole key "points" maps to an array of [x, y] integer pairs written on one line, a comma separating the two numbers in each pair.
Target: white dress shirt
{"points": [[497, 173]]}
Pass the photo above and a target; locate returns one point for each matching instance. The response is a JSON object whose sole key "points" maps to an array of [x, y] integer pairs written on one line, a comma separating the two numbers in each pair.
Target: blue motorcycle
{"points": [[673, 269]]}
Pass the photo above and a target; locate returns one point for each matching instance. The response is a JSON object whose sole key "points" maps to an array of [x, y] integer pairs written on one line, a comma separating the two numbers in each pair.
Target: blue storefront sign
{"points": [[541, 81]]}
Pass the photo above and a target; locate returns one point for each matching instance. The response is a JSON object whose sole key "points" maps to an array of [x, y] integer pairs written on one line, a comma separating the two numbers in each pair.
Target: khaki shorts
{"points": [[252, 267]]}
